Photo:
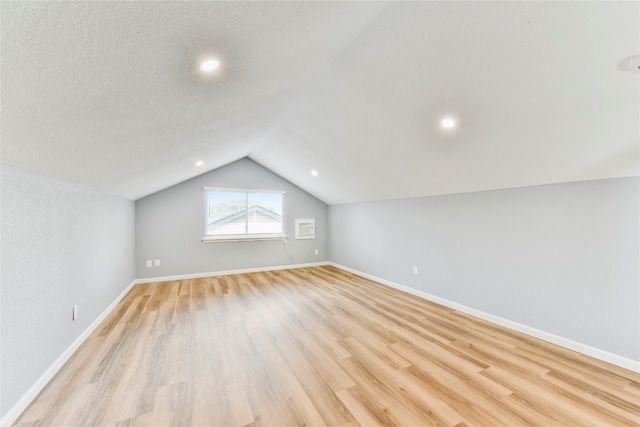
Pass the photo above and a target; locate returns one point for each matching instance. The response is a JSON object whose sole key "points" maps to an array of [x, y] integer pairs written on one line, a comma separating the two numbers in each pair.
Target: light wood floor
{"points": [[318, 346]]}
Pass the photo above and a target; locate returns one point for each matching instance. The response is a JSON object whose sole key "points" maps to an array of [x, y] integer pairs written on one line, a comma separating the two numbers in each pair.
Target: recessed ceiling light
{"points": [[630, 64], [314, 172], [209, 65], [448, 123], [199, 163]]}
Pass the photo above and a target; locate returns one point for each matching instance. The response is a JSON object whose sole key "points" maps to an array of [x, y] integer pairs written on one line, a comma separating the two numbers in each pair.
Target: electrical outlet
{"points": [[156, 263], [74, 316], [415, 270], [149, 263], [317, 251]]}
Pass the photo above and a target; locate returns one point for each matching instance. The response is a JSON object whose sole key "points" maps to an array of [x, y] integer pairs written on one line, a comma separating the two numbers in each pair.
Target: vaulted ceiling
{"points": [[109, 95]]}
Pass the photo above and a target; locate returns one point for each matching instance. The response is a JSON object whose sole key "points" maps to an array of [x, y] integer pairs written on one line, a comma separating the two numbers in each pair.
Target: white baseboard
{"points": [[26, 399], [227, 272], [13, 414], [587, 350]]}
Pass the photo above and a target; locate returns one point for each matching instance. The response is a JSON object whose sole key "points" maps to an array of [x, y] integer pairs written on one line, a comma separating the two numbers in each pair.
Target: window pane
{"points": [[226, 213], [265, 213]]}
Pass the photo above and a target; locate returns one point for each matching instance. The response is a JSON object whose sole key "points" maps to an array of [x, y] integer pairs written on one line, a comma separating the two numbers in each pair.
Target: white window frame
{"points": [[208, 238]]}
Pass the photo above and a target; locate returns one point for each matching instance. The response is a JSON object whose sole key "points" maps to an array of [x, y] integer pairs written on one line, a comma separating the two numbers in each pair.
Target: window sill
{"points": [[243, 238]]}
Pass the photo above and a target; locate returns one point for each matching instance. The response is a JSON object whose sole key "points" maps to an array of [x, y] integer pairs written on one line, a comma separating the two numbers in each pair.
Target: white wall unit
{"points": [[305, 228]]}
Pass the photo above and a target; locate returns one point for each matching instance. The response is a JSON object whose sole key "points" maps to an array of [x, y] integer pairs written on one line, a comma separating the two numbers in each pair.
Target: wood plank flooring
{"points": [[319, 346]]}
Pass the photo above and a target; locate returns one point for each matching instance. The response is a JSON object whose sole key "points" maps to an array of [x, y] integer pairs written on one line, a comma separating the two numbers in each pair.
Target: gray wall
{"points": [[170, 223], [561, 258], [62, 244]]}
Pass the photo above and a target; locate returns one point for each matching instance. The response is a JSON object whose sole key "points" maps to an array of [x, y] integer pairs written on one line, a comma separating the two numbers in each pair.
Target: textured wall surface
{"points": [[561, 258], [62, 244], [170, 223]]}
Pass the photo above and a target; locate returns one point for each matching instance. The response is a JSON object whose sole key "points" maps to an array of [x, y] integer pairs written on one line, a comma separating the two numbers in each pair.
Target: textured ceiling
{"points": [[107, 94]]}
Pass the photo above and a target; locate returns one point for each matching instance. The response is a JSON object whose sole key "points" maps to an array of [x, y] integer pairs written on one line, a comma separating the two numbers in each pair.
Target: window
{"points": [[232, 214]]}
